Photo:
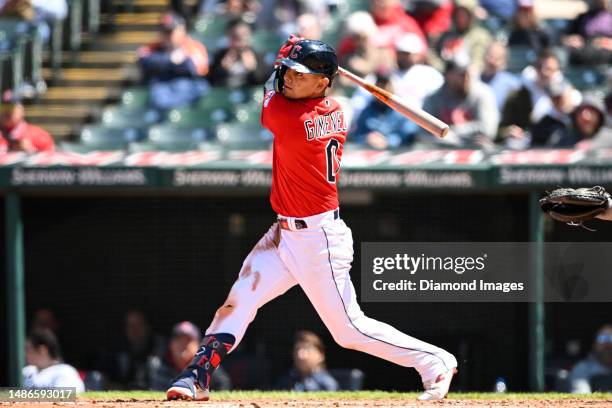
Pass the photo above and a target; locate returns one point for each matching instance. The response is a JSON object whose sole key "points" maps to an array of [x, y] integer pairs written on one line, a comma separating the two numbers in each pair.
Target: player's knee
{"points": [[345, 339]]}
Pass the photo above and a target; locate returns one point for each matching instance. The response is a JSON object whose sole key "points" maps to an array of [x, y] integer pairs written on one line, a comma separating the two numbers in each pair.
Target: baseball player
{"points": [[309, 244]]}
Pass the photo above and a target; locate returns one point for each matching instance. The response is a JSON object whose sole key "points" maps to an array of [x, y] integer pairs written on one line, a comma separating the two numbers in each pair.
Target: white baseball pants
{"points": [[318, 258]]}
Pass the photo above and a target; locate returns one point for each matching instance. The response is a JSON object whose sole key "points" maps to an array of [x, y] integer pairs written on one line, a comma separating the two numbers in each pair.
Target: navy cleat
{"points": [[186, 388]]}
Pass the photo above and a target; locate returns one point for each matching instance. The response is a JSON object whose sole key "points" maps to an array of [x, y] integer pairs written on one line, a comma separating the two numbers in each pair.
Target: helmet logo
{"points": [[296, 48]]}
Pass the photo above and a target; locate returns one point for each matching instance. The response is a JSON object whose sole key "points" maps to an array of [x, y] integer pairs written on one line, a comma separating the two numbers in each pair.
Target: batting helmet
{"points": [[309, 57]]}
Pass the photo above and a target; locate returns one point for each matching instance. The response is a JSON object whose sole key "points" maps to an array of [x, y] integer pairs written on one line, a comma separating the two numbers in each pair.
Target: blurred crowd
{"points": [[141, 359], [499, 75]]}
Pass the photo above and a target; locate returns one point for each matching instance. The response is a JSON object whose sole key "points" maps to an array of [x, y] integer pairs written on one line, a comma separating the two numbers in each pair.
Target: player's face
{"points": [[304, 86]]}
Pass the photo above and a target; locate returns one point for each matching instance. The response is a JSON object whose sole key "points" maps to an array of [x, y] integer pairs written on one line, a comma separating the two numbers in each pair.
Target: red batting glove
{"points": [[285, 49]]}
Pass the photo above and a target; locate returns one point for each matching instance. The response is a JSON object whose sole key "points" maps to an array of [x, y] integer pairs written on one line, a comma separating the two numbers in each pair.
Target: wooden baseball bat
{"points": [[425, 120]]}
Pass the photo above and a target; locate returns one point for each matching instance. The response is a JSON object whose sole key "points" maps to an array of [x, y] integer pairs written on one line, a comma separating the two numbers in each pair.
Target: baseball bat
{"points": [[425, 120]]}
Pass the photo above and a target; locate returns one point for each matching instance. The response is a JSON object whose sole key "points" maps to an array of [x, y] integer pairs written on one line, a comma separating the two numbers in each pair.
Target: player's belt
{"points": [[299, 223]]}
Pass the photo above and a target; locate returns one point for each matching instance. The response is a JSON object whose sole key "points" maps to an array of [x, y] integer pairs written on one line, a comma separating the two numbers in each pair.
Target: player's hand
{"points": [[285, 49]]}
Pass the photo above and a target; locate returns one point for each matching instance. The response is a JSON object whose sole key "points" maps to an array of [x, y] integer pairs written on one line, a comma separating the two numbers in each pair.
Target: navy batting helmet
{"points": [[309, 57]]}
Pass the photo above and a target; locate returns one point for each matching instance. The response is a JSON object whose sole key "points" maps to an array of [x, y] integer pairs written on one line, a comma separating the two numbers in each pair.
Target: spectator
{"points": [[21, 9], [173, 66], [238, 65], [381, 127], [46, 13], [308, 372], [44, 364], [309, 27], [282, 15], [526, 30], [181, 349], [393, 23], [493, 73], [414, 80], [233, 9], [128, 365], [18, 135], [433, 17], [554, 129], [466, 104], [589, 37], [466, 36], [598, 363], [357, 50], [589, 125], [530, 103]]}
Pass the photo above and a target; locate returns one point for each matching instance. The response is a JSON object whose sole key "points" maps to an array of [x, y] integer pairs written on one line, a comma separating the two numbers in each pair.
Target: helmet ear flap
{"points": [[279, 78], [331, 80]]}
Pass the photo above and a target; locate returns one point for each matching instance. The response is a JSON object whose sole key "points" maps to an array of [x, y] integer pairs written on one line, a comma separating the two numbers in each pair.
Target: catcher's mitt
{"points": [[574, 206]]}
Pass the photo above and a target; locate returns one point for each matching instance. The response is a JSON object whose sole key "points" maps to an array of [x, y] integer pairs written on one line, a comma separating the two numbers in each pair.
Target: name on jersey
{"points": [[321, 126]]}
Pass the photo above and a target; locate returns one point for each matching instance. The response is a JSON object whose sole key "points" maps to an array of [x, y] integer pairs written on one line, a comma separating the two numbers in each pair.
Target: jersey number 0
{"points": [[333, 165]]}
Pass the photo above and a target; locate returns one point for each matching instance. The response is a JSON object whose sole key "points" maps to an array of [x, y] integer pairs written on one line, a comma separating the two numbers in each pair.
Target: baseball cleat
{"points": [[438, 389], [186, 388]]}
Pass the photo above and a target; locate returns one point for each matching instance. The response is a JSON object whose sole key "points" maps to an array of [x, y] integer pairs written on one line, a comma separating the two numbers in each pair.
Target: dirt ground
{"points": [[275, 403]]}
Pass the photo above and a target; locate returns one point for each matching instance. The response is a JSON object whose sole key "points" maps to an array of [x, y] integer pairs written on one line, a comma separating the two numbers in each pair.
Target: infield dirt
{"points": [[275, 403]]}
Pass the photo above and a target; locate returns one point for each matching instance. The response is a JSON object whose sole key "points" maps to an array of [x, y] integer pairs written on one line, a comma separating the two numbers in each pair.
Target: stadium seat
{"points": [[211, 26], [585, 79], [265, 41], [221, 97], [128, 117], [137, 97], [176, 138], [348, 379], [203, 117], [239, 136], [249, 114], [356, 5], [520, 57], [104, 138], [253, 94]]}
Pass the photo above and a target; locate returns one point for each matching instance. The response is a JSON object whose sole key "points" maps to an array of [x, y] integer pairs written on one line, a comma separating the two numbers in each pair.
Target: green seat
{"points": [[520, 57], [212, 43], [253, 94], [136, 98], [201, 117], [221, 97], [211, 26], [265, 41], [585, 79], [355, 5], [176, 138], [249, 114], [129, 117], [241, 136], [105, 138]]}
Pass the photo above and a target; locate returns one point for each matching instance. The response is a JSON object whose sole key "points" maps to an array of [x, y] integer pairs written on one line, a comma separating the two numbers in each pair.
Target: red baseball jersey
{"points": [[308, 139]]}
